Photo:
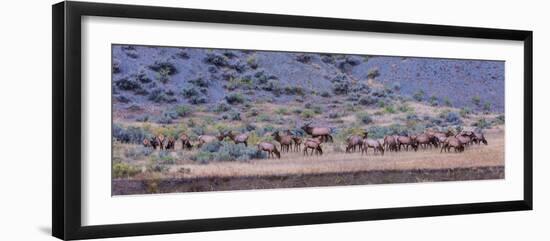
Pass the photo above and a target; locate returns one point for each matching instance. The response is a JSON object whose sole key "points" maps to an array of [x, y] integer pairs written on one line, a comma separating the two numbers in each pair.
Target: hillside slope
{"points": [[167, 77]]}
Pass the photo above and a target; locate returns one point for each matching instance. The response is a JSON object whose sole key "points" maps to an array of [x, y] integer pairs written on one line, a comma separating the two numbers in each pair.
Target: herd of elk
{"points": [[288, 141]]}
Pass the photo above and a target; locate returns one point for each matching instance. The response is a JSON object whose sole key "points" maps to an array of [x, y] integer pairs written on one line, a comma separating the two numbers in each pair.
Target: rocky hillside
{"points": [[146, 76]]}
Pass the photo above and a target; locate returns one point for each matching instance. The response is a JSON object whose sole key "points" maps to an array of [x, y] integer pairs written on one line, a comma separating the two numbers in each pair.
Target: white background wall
{"points": [[25, 122]]}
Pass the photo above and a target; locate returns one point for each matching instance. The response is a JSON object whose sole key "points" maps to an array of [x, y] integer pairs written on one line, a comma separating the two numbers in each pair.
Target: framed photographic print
{"points": [[169, 120]]}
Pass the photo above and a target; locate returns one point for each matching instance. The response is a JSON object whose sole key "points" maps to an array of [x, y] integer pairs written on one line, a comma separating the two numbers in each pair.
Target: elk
{"points": [[185, 142], [154, 143], [479, 138], [465, 137], [314, 145], [160, 141], [426, 140], [390, 143], [323, 132], [239, 138], [441, 139], [171, 144], [146, 143], [452, 142], [440, 133], [203, 139], [371, 143], [270, 149], [407, 141], [354, 142], [297, 140], [284, 140]]}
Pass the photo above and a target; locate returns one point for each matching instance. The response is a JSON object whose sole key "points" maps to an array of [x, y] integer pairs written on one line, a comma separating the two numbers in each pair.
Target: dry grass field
{"points": [[296, 163], [333, 168]]}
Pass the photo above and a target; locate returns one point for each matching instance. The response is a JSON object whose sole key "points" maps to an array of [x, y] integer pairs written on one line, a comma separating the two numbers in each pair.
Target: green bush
{"points": [[434, 101], [499, 120], [365, 118], [165, 65], [222, 107], [419, 95], [131, 134], [235, 98], [294, 90], [308, 113], [252, 63], [183, 110], [482, 123], [389, 109], [137, 152], [317, 109], [227, 151], [163, 75], [373, 73], [447, 102], [476, 100], [124, 170], [282, 111], [263, 118], [487, 106], [325, 94], [465, 111], [405, 108]]}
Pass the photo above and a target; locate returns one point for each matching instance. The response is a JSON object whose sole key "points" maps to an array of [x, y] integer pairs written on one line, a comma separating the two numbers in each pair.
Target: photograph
{"points": [[188, 119]]}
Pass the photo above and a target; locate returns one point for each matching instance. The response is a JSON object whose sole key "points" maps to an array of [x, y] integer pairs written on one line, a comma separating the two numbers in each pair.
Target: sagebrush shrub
{"points": [[165, 65], [373, 73], [131, 134], [453, 118], [234, 98], [116, 66], [227, 151], [138, 152], [365, 118], [183, 54], [217, 60], [124, 170], [128, 84], [303, 58], [160, 96]]}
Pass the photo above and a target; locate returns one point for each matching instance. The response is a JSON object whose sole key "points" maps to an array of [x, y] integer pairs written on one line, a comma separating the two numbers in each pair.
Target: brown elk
{"points": [[203, 139], [285, 140], [171, 143], [314, 145], [426, 140], [185, 142], [238, 138], [390, 143], [154, 143], [269, 148], [452, 142], [160, 141], [439, 134], [465, 137], [441, 139], [323, 132], [354, 142], [297, 140], [407, 141], [371, 143], [146, 142], [479, 138]]}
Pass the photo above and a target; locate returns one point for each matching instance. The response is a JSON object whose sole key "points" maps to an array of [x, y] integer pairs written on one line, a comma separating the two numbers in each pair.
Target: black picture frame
{"points": [[66, 167]]}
